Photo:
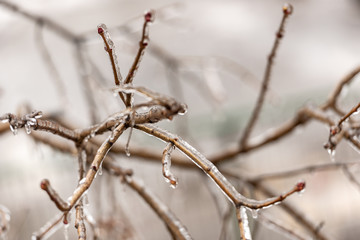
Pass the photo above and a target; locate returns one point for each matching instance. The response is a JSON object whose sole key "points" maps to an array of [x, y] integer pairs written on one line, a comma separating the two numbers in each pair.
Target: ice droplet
{"points": [[332, 154], [13, 129], [27, 128], [183, 109], [100, 169], [127, 151], [254, 213]]}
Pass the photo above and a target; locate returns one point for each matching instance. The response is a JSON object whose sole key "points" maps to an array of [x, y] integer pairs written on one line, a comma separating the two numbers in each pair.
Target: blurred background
{"points": [[210, 55]]}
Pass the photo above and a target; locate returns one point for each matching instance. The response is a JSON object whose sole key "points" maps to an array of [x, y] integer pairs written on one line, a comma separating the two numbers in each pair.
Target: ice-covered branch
{"points": [[210, 169], [287, 10]]}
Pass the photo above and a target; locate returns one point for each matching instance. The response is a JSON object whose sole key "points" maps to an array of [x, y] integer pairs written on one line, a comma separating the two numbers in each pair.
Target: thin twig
{"points": [[287, 10], [149, 17], [209, 168]]}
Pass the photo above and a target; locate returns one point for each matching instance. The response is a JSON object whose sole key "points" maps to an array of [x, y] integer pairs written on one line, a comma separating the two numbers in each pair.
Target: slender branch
{"points": [[269, 222], [149, 17], [334, 96], [85, 183], [49, 62], [49, 228], [287, 10], [292, 211], [57, 28], [243, 223], [172, 222], [209, 168], [166, 164], [110, 49], [308, 169]]}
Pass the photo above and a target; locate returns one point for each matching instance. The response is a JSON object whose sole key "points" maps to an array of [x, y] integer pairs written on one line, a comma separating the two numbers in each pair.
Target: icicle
{"points": [[13, 129], [254, 213], [331, 154], [166, 164], [100, 172]]}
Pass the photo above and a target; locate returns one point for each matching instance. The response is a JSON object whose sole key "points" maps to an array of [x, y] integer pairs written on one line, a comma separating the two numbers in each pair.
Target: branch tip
{"points": [[149, 16], [44, 184], [288, 9], [300, 186]]}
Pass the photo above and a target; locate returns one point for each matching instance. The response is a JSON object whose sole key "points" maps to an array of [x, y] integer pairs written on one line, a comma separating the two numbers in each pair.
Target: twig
{"points": [[210, 169], [308, 169], [49, 228], [110, 49], [166, 164], [149, 17], [267, 221], [85, 81], [287, 10], [85, 183], [292, 211], [48, 60], [172, 222], [58, 29]]}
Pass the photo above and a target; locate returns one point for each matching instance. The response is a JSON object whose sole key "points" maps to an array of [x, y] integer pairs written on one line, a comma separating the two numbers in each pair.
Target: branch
{"points": [[58, 29], [209, 168], [287, 10], [149, 17]]}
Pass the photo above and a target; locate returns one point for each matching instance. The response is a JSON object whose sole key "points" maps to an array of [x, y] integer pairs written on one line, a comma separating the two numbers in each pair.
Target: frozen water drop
{"points": [[254, 213], [100, 170], [183, 109], [92, 134], [173, 186], [13, 129], [82, 181], [27, 128], [331, 154]]}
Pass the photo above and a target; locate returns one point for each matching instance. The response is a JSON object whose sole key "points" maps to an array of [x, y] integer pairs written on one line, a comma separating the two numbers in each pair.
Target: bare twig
{"points": [[287, 10]]}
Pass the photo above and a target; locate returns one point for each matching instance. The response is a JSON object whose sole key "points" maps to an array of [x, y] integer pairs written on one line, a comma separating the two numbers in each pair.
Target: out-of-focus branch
{"points": [[173, 223], [308, 169], [57, 28], [49, 228]]}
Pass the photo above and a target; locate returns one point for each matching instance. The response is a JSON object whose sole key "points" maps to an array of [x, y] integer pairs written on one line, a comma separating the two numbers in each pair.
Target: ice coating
{"points": [[245, 221], [166, 162], [109, 46]]}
